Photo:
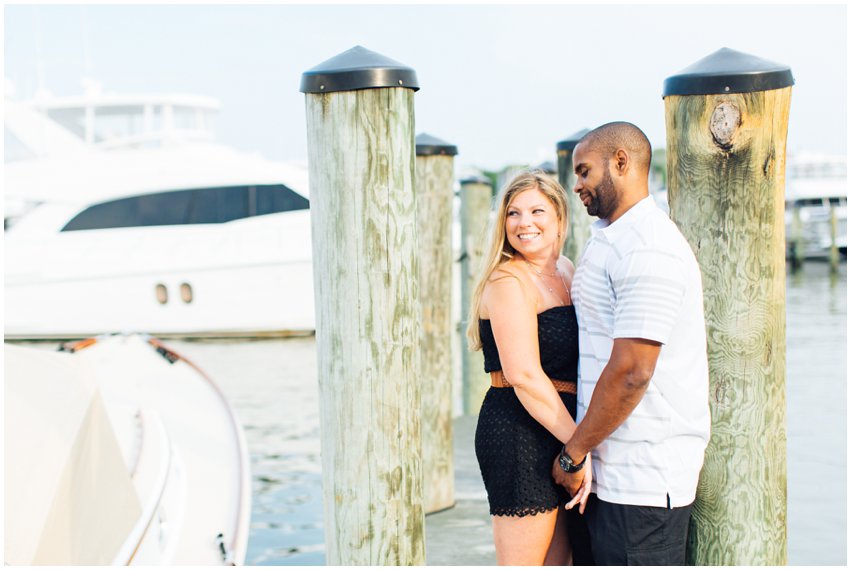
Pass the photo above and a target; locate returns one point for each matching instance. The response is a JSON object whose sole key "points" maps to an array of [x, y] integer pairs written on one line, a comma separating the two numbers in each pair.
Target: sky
{"points": [[504, 83]]}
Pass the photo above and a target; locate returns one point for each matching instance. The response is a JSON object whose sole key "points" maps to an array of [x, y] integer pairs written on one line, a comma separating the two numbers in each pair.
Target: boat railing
{"points": [[154, 138], [234, 546], [157, 440]]}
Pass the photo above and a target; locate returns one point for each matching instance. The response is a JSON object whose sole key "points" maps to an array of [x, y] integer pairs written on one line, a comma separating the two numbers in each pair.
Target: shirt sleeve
{"points": [[649, 287]]}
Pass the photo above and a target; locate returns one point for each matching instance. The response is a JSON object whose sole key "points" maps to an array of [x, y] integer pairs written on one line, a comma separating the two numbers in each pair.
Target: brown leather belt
{"points": [[564, 386]]}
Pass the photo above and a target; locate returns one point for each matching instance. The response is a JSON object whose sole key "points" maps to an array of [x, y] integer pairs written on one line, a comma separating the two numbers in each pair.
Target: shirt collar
{"points": [[630, 217]]}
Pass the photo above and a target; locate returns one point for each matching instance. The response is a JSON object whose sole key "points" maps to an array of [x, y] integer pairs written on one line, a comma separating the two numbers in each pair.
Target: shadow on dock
{"points": [[462, 534]]}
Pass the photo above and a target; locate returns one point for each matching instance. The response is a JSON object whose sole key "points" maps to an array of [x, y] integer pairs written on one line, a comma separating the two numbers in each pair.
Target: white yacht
{"points": [[816, 188], [122, 214]]}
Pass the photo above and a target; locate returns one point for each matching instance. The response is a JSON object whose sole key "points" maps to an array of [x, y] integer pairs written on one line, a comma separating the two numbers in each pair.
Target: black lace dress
{"points": [[515, 452]]}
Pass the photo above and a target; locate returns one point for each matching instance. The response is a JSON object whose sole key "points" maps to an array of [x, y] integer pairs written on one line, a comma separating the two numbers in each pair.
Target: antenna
{"points": [[39, 60]]}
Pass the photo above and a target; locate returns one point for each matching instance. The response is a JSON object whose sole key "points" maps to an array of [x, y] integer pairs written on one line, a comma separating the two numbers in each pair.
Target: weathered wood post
{"points": [[360, 134], [726, 119], [579, 222], [476, 199], [435, 176], [797, 241], [834, 250]]}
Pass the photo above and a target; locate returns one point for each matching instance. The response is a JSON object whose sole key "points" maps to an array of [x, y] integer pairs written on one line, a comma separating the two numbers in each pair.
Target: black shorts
{"points": [[516, 455], [630, 535]]}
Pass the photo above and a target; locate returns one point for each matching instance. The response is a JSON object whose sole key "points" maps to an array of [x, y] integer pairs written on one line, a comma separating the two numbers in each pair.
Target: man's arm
{"points": [[619, 389]]}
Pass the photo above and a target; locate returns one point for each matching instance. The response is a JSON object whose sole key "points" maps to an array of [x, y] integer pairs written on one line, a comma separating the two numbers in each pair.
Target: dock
{"points": [[462, 535]]}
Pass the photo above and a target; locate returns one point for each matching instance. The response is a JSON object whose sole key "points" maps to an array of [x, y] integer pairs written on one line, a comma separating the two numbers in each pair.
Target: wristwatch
{"points": [[566, 463]]}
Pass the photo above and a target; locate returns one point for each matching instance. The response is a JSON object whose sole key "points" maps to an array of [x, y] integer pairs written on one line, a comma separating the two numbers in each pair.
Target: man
{"points": [[642, 344]]}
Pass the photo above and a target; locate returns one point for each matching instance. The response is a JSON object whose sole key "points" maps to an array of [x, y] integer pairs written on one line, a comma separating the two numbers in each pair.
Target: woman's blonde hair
{"points": [[499, 250]]}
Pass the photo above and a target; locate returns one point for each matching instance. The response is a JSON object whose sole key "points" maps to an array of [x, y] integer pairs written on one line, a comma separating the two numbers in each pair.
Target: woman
{"points": [[522, 318]]}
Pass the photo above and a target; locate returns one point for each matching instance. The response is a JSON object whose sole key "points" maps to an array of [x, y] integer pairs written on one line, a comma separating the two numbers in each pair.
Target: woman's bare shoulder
{"points": [[506, 286], [566, 266]]}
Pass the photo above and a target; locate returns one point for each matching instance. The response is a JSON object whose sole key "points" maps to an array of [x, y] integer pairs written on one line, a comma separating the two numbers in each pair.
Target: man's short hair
{"points": [[607, 139]]}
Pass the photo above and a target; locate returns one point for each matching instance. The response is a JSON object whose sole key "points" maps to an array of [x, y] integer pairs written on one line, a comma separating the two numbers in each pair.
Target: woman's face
{"points": [[531, 224]]}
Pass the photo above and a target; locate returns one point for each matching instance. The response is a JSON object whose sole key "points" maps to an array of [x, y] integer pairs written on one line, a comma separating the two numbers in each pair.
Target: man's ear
{"points": [[621, 161]]}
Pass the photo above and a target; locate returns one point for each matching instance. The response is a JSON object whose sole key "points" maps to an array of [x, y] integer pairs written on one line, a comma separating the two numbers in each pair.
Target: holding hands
{"points": [[577, 484]]}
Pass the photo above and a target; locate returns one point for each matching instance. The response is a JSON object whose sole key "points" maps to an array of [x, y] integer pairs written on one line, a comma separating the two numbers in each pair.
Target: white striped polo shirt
{"points": [[638, 278]]}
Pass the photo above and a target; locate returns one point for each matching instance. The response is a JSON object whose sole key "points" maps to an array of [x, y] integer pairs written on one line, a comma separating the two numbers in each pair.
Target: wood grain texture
{"points": [[579, 222], [476, 202], [727, 197], [365, 259], [434, 192]]}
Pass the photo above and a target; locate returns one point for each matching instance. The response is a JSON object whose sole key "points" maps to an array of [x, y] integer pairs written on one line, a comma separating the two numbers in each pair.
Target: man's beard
{"points": [[604, 200]]}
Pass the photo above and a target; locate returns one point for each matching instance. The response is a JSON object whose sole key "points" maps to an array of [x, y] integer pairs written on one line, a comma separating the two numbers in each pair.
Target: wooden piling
{"points": [[726, 118], [579, 221], [435, 176], [797, 239], [360, 134], [833, 254], [476, 200]]}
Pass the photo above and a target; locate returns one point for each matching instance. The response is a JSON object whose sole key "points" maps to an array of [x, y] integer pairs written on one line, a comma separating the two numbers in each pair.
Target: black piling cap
{"points": [[570, 142], [547, 166], [357, 68], [428, 145], [728, 71], [475, 179]]}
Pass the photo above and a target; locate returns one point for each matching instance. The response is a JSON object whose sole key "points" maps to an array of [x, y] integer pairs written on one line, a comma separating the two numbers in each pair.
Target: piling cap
{"points": [[475, 179], [570, 142], [357, 68], [547, 166], [428, 145], [728, 71]]}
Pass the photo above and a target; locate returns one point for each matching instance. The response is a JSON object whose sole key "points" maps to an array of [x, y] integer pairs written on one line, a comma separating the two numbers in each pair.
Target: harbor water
{"points": [[272, 385]]}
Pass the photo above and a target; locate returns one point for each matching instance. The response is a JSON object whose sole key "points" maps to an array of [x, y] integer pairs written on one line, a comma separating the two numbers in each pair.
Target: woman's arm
{"points": [[514, 320]]}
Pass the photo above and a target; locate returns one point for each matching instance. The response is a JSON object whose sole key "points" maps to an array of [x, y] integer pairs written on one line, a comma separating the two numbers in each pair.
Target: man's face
{"points": [[594, 182]]}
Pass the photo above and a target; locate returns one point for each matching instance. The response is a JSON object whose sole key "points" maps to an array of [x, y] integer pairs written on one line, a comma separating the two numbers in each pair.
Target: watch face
{"points": [[565, 462]]}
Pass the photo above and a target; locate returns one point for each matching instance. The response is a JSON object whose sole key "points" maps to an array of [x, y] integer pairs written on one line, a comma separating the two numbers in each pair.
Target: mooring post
{"points": [[726, 118], [797, 239], [360, 135], [579, 222], [435, 176], [476, 199], [834, 250]]}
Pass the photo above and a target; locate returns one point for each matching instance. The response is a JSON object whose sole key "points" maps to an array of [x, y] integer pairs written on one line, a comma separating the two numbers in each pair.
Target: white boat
{"points": [[120, 452], [816, 187], [122, 215]]}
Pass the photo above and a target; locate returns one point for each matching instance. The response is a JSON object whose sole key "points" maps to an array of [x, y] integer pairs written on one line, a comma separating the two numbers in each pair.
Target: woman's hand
{"points": [[581, 496]]}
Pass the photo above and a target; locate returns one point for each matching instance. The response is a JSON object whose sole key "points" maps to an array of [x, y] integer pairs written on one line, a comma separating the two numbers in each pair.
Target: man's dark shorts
{"points": [[629, 535]]}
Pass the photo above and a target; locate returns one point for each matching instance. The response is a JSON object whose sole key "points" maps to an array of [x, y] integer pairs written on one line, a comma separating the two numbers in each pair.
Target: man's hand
{"points": [[570, 481], [578, 485], [581, 496]]}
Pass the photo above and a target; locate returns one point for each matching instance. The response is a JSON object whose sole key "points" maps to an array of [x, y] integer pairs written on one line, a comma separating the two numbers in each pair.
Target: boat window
{"points": [[118, 122], [196, 206], [161, 293], [216, 205], [186, 292], [73, 119], [274, 199], [14, 149]]}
